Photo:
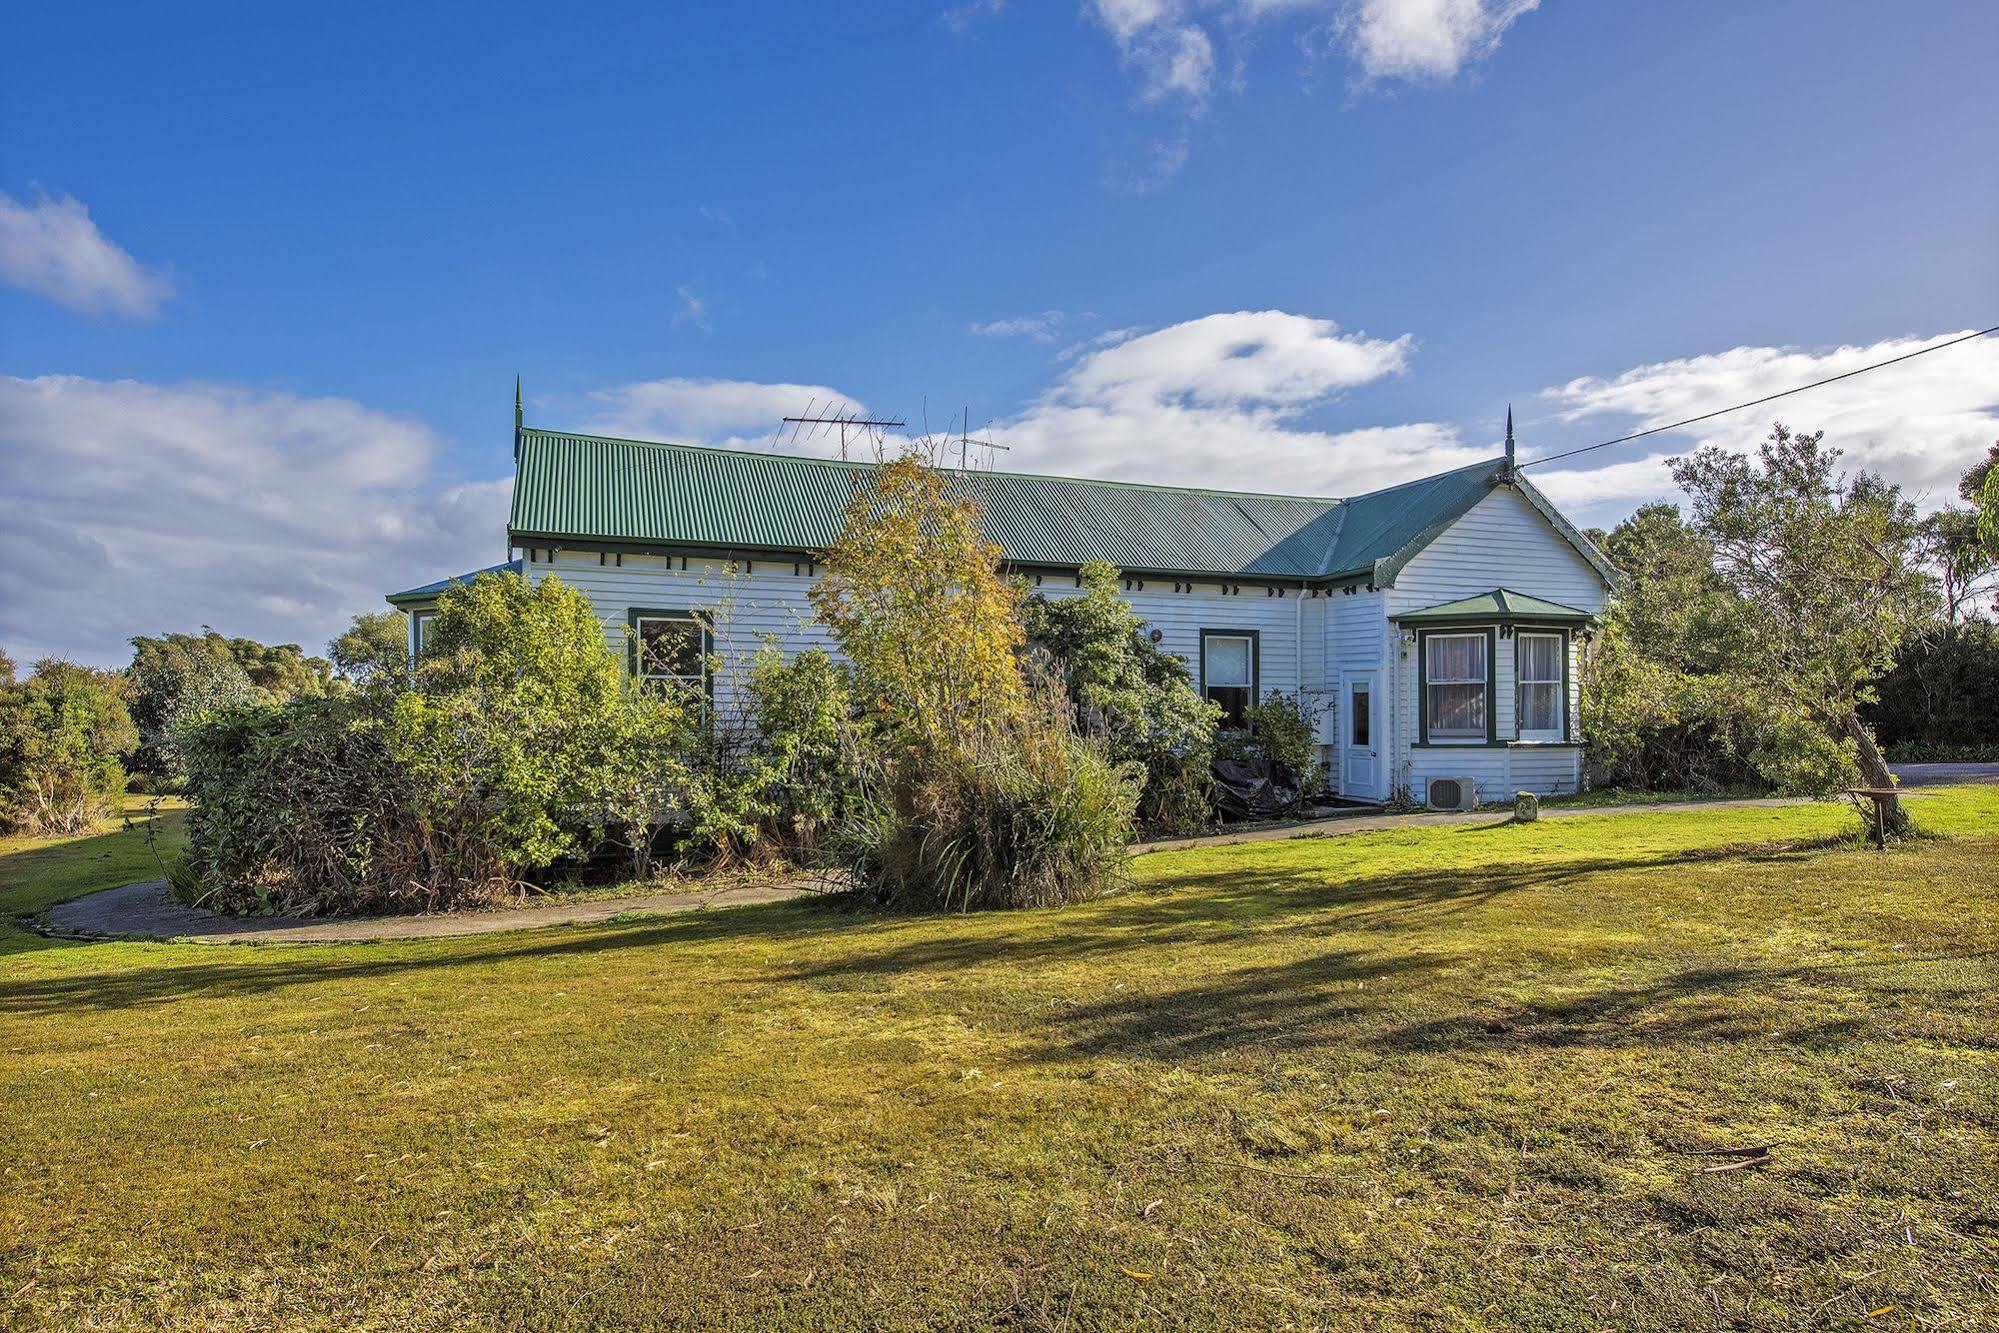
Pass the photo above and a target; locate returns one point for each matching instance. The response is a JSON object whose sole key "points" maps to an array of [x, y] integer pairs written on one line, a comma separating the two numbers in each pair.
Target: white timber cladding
{"points": [[1310, 642], [768, 602], [1504, 542]]}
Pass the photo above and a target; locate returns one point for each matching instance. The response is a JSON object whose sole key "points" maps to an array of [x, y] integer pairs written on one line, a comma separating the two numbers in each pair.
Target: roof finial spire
{"points": [[517, 404], [1509, 442]]}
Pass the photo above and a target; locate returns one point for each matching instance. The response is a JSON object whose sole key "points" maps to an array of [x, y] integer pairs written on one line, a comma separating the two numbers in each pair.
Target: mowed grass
{"points": [[35, 872], [1454, 1077]]}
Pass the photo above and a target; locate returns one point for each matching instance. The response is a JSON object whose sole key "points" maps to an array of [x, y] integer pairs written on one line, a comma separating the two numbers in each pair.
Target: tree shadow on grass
{"points": [[1347, 996]]}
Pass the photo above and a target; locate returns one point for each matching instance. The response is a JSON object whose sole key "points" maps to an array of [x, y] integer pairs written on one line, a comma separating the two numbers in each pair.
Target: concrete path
{"points": [[148, 911], [1943, 775], [1364, 821]]}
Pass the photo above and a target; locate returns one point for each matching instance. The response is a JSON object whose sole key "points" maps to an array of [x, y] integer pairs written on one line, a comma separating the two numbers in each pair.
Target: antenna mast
{"points": [[841, 420], [965, 440]]}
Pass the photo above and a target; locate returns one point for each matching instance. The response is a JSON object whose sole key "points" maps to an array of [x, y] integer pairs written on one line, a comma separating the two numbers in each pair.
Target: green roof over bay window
{"points": [[1500, 606]]}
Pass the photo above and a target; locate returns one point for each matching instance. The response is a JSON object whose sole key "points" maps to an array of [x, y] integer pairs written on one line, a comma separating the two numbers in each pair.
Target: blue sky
{"points": [[269, 272]]}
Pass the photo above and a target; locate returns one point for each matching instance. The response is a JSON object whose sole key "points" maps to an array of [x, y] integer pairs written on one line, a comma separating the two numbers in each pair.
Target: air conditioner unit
{"points": [[1451, 794]]}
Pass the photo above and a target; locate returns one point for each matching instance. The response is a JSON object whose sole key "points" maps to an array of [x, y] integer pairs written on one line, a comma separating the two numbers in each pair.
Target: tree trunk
{"points": [[1874, 772]]}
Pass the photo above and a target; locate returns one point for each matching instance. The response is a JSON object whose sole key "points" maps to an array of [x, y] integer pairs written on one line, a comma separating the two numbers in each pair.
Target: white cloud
{"points": [[1218, 401], [1424, 39], [1170, 44], [140, 508], [50, 246], [739, 414], [1039, 327], [1173, 58], [1919, 424]]}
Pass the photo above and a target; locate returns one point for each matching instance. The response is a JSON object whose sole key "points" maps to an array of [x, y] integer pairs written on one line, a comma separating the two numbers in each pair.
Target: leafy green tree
{"points": [[1980, 486], [520, 716], [1139, 698], [177, 679], [1823, 571], [373, 647], [61, 732], [1948, 541]]}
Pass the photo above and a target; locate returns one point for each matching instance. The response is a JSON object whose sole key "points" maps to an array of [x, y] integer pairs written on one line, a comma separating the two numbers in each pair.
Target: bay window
{"points": [[1540, 659]]}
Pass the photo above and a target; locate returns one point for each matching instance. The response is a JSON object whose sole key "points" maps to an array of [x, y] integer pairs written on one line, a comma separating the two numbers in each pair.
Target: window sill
{"points": [[1544, 745], [1457, 745]]}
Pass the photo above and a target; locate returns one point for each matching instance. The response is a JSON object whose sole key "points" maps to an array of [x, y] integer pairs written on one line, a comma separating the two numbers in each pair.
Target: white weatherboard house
{"points": [[1438, 621]]}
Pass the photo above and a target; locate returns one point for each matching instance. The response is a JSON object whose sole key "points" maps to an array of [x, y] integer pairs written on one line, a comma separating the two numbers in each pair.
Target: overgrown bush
{"points": [[1135, 697], [303, 808], [1284, 728], [812, 743], [985, 794], [61, 732], [520, 746], [515, 711]]}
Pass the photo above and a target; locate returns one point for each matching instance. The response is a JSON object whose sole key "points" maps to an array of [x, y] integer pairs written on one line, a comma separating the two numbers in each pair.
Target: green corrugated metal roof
{"points": [[584, 487], [1499, 604], [429, 592]]}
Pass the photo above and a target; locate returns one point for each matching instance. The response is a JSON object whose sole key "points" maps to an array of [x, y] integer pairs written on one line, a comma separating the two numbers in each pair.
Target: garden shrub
{"points": [[1283, 726], [61, 732], [811, 743], [519, 746], [514, 711], [1138, 699], [301, 808], [983, 794]]}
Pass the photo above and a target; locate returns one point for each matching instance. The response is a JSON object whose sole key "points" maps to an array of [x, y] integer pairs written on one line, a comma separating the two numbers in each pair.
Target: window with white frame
{"points": [[420, 627], [1538, 658], [1228, 673], [1457, 678], [670, 650]]}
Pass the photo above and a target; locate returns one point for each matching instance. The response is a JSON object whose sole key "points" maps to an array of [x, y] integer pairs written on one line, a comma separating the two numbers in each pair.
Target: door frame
{"points": [[1371, 680]]}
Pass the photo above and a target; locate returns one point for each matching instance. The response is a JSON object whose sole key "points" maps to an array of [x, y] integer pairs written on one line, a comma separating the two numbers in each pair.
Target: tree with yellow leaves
{"points": [[913, 592]]}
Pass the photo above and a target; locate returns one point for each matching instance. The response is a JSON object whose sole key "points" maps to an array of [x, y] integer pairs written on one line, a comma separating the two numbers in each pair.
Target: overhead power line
{"points": [[1769, 398]]}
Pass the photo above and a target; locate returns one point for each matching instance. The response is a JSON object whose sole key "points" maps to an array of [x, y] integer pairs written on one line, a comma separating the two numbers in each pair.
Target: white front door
{"points": [[1360, 769]]}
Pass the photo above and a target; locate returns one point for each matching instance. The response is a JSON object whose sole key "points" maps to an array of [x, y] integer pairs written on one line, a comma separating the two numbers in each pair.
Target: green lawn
{"points": [[1452, 1077]]}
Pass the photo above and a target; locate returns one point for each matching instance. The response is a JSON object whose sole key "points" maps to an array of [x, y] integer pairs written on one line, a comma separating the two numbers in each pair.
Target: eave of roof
{"points": [[430, 592]]}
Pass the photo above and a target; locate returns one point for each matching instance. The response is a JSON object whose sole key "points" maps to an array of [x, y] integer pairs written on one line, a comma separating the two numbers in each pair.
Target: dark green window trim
{"points": [[1562, 703], [1255, 638], [634, 614], [1423, 740]]}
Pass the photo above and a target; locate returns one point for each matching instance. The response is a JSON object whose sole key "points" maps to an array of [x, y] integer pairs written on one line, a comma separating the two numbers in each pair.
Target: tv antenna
{"points": [[839, 420], [966, 442]]}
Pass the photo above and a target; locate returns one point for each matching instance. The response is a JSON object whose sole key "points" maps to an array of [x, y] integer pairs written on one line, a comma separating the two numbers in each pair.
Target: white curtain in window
{"points": [[1456, 668], [1457, 657]]}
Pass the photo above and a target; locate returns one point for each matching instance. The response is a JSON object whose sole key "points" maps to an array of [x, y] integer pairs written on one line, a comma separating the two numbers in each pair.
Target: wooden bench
{"points": [[1880, 796]]}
